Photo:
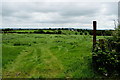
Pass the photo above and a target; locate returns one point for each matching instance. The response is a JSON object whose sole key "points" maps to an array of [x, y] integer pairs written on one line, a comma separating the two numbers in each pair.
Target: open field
{"points": [[47, 56]]}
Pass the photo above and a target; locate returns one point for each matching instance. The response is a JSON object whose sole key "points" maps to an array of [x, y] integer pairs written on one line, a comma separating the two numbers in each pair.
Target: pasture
{"points": [[47, 56]]}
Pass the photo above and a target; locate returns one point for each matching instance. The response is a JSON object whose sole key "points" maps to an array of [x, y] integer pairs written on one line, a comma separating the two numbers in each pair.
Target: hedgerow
{"points": [[106, 55]]}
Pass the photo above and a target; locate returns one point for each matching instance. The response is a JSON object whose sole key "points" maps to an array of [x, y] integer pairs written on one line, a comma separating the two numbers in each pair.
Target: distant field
{"points": [[47, 56], [67, 32]]}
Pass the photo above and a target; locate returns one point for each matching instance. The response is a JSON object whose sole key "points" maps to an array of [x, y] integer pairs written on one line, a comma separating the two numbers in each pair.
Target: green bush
{"points": [[106, 63], [106, 57]]}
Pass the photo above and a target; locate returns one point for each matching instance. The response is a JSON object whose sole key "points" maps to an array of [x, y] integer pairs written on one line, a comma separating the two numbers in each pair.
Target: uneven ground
{"points": [[47, 56]]}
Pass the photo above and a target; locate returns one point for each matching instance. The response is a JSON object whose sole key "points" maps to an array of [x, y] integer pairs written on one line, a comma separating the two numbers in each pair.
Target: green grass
{"points": [[47, 56], [0, 55]]}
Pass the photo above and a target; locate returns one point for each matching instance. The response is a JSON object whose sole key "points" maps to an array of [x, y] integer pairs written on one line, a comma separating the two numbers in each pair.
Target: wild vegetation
{"points": [[56, 54], [0, 55], [106, 56], [47, 56]]}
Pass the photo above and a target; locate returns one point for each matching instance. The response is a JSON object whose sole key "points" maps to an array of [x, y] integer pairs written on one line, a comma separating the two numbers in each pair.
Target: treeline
{"points": [[59, 31], [35, 31]]}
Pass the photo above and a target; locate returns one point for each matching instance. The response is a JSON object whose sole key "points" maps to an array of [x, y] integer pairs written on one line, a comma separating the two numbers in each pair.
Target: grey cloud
{"points": [[111, 8], [0, 14], [56, 12]]}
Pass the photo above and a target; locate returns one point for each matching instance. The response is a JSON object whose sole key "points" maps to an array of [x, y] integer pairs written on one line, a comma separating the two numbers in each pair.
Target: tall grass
{"points": [[48, 56]]}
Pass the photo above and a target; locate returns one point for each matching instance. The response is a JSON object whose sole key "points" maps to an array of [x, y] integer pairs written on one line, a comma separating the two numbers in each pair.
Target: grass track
{"points": [[47, 56]]}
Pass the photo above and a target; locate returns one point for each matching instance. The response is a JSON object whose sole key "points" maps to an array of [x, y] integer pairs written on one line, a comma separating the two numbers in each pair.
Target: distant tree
{"points": [[81, 33], [7, 30], [59, 32], [39, 31], [76, 33]]}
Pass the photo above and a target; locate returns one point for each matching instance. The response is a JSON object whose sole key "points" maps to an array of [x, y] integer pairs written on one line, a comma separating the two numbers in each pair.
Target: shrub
{"points": [[59, 32], [106, 55], [105, 61]]}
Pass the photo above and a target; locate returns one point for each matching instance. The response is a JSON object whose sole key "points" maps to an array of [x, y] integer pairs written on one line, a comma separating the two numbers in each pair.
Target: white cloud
{"points": [[57, 14], [60, 0]]}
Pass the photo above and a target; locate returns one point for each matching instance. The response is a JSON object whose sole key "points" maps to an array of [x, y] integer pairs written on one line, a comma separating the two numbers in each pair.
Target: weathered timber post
{"points": [[94, 34]]}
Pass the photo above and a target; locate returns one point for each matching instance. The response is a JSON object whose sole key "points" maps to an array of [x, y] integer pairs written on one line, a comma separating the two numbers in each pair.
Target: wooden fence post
{"points": [[94, 34]]}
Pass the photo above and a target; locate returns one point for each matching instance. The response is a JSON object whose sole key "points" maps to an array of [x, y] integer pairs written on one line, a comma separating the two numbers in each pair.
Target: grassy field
{"points": [[0, 63], [47, 56]]}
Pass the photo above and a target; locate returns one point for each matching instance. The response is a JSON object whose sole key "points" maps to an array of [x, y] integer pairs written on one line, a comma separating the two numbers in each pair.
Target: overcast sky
{"points": [[59, 14]]}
